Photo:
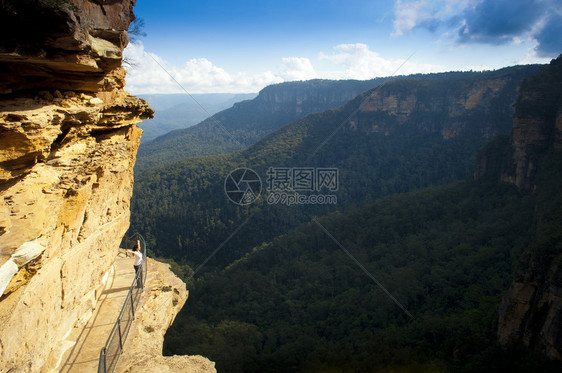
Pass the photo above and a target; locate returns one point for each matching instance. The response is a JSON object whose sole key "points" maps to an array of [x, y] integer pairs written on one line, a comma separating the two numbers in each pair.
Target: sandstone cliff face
{"points": [[299, 98], [531, 311], [464, 105], [79, 46], [66, 186], [68, 143], [537, 125]]}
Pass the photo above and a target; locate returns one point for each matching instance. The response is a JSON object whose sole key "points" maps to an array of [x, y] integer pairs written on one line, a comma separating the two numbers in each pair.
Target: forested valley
{"points": [[447, 254], [405, 273]]}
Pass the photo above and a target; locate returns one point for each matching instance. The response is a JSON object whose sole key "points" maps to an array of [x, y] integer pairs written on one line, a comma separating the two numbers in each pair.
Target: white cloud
{"points": [[427, 13], [149, 73], [531, 56], [408, 15], [298, 68], [357, 61], [492, 22], [143, 72]]}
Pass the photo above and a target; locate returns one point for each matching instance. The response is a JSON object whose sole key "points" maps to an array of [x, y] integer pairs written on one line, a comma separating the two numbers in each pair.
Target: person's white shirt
{"points": [[138, 258]]}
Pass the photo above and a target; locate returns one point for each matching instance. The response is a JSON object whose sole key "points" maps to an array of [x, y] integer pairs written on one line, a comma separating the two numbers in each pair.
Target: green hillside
{"points": [[179, 110], [185, 214], [248, 121]]}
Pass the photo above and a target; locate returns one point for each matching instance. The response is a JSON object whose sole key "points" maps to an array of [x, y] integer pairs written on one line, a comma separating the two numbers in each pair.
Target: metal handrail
{"points": [[127, 314]]}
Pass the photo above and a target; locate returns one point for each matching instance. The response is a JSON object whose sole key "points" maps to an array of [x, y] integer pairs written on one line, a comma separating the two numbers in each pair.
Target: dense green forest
{"points": [[248, 121], [190, 215], [179, 111], [299, 303], [404, 274]]}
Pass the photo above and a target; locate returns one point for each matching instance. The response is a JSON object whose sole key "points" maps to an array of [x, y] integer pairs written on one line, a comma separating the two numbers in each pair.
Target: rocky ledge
{"points": [[164, 296], [68, 144]]}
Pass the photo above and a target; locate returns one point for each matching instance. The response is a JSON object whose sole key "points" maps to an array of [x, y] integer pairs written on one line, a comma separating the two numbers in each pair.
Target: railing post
{"points": [[120, 337], [102, 365], [132, 304]]}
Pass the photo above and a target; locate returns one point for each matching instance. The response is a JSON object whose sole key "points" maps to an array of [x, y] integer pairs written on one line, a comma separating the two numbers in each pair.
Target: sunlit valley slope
{"points": [[248, 121], [179, 111]]}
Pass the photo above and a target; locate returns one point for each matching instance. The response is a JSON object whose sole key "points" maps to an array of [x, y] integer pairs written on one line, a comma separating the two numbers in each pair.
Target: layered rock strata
{"points": [[68, 143], [455, 105], [537, 126], [531, 311], [66, 185], [74, 45]]}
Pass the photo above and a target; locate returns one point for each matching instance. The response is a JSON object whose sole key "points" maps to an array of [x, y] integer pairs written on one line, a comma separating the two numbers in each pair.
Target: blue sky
{"points": [[242, 46]]}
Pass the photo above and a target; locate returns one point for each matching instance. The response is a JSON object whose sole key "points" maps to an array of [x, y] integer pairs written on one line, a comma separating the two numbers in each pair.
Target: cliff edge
{"points": [[531, 310], [68, 143], [164, 296]]}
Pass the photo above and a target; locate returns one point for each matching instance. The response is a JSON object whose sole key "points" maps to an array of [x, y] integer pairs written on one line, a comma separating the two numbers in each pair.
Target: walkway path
{"points": [[84, 356]]}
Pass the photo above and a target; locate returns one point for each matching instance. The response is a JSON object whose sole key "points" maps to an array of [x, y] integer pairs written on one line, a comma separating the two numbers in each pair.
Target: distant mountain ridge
{"points": [[180, 110], [248, 121]]}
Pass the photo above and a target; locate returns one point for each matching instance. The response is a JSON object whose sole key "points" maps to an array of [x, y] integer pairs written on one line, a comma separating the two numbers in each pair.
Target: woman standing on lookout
{"points": [[138, 263]]}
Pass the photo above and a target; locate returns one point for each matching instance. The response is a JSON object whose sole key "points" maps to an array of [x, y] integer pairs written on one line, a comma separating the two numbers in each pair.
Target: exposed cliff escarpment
{"points": [[299, 98], [531, 311], [67, 149], [68, 143], [65, 208], [537, 126], [475, 105], [73, 44]]}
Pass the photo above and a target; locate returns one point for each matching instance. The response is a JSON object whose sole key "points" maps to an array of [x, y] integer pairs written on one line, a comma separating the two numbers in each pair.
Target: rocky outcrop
{"points": [[531, 310], [493, 158], [450, 104], [79, 46], [300, 98], [399, 101], [537, 126], [164, 296], [68, 144]]}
